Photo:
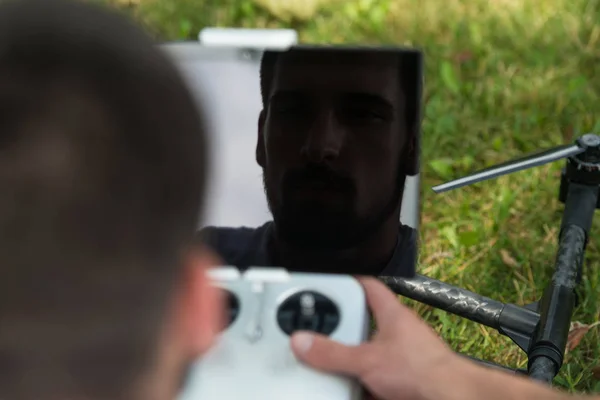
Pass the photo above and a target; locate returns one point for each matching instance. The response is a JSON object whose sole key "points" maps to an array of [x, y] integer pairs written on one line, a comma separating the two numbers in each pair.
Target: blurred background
{"points": [[503, 78]]}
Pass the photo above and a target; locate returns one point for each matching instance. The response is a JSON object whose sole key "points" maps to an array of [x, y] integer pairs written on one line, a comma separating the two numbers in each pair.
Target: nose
{"points": [[324, 140]]}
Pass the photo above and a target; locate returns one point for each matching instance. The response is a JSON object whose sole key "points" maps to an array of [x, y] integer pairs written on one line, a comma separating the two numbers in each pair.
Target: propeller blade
{"points": [[532, 160]]}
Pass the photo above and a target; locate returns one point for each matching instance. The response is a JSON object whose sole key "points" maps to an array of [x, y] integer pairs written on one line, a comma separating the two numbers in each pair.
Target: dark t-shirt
{"points": [[244, 247]]}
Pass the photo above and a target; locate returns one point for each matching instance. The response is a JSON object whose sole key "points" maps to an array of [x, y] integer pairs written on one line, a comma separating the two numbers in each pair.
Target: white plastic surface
{"points": [[270, 275], [266, 369], [248, 38], [225, 273]]}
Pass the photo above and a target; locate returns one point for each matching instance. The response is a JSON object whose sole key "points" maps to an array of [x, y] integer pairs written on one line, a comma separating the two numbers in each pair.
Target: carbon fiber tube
{"points": [[458, 301], [542, 369], [558, 301]]}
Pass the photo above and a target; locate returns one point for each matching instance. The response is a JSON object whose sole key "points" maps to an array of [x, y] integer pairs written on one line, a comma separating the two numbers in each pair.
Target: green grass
{"points": [[503, 78]]}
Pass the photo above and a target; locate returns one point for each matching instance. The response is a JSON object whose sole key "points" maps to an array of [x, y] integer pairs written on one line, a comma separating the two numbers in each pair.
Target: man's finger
{"points": [[322, 353], [383, 303]]}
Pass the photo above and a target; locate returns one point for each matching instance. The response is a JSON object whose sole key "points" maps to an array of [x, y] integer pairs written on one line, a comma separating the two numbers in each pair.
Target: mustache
{"points": [[313, 173]]}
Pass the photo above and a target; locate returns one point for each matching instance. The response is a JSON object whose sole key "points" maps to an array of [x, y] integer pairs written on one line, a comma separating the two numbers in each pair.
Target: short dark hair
{"points": [[103, 163], [410, 71]]}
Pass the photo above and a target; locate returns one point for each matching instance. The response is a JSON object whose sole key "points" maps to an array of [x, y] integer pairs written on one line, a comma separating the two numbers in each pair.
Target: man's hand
{"points": [[396, 363], [406, 360]]}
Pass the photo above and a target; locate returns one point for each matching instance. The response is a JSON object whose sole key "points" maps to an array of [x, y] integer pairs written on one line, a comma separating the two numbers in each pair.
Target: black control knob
{"points": [[308, 310], [233, 307]]}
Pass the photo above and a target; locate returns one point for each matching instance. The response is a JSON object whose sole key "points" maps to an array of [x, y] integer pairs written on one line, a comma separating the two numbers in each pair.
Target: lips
{"points": [[317, 184], [318, 191]]}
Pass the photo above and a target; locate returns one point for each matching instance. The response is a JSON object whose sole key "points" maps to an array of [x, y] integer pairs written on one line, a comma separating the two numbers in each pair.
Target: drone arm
{"points": [[447, 297], [559, 299], [518, 323]]}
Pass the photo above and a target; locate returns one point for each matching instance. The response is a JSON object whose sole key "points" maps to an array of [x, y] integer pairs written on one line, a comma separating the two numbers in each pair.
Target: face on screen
{"points": [[334, 144], [319, 159]]}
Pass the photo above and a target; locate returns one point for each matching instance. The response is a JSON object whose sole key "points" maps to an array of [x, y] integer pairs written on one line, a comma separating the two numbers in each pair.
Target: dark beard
{"points": [[313, 227]]}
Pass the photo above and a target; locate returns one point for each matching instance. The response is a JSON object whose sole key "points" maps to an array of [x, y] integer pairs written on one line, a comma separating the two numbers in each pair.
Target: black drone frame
{"points": [[540, 329]]}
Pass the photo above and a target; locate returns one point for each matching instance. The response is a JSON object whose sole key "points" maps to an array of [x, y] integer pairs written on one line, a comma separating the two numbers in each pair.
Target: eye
{"points": [[285, 108], [363, 114], [289, 108]]}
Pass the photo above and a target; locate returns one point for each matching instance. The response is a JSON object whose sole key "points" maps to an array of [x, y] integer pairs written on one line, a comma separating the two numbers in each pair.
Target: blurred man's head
{"points": [[335, 144], [103, 162]]}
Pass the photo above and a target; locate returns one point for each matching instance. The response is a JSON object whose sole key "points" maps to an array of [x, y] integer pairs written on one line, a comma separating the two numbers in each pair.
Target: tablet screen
{"points": [[317, 102]]}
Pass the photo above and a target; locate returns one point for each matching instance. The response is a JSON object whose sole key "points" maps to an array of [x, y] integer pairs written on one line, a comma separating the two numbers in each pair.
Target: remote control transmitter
{"points": [[252, 357]]}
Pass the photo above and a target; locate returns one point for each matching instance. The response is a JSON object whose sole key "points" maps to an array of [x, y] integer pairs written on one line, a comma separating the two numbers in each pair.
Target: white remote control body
{"points": [[252, 357]]}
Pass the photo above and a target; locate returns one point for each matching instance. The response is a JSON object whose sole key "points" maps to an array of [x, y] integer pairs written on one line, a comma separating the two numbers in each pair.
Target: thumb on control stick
{"points": [[322, 353]]}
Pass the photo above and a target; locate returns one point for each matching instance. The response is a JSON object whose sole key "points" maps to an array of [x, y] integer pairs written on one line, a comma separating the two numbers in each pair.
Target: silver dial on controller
{"points": [[308, 310]]}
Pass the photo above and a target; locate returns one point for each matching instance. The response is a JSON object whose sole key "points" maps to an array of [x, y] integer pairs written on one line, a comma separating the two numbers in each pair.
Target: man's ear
{"points": [[261, 157], [412, 154], [201, 306]]}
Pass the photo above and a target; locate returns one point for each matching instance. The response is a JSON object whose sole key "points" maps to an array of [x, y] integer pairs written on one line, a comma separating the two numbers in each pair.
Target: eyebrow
{"points": [[364, 97], [286, 93], [371, 98]]}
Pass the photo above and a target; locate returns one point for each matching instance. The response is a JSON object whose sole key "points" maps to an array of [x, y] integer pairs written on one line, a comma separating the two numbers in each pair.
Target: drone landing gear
{"points": [[580, 183]]}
